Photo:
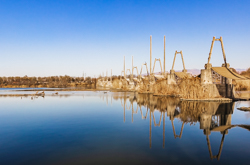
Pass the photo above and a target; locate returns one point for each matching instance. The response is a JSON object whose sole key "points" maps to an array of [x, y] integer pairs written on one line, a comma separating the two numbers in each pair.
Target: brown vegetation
{"points": [[243, 85], [246, 73], [51, 82], [188, 88], [116, 83]]}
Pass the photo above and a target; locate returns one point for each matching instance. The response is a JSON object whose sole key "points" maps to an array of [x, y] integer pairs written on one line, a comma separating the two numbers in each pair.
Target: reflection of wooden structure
{"points": [[217, 121], [215, 117], [179, 136], [151, 104], [210, 150]]}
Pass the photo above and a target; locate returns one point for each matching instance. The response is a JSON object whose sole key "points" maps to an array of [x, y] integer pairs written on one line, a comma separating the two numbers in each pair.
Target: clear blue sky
{"points": [[69, 37]]}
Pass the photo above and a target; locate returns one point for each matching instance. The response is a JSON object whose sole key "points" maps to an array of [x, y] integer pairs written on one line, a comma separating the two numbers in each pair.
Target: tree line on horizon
{"points": [[64, 81], [51, 81]]}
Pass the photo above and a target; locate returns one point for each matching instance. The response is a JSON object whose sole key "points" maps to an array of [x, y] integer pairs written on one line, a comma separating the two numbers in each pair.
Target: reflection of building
{"points": [[212, 116], [218, 121]]}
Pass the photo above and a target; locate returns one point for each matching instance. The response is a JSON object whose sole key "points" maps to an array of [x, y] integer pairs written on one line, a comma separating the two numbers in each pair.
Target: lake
{"points": [[87, 127]]}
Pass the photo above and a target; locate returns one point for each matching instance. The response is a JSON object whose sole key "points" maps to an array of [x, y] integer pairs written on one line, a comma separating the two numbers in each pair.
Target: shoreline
{"points": [[110, 90]]}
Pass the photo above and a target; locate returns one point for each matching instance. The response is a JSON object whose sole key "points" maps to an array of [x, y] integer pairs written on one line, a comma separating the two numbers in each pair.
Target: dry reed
{"points": [[189, 88]]}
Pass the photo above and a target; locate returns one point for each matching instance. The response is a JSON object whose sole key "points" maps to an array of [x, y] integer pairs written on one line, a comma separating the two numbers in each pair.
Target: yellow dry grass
{"points": [[143, 86], [116, 83], [189, 88]]}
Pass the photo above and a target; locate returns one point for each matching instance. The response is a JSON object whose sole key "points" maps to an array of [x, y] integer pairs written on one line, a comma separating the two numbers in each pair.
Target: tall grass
{"points": [[116, 83], [188, 88]]}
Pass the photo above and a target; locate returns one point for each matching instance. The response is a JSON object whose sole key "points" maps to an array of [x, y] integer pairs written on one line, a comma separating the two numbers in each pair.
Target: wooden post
{"points": [[150, 55], [211, 49], [183, 61], [164, 56], [174, 60], [222, 47]]}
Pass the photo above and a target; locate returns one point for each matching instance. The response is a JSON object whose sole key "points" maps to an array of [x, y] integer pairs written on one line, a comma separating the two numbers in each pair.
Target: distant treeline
{"points": [[63, 81], [51, 82]]}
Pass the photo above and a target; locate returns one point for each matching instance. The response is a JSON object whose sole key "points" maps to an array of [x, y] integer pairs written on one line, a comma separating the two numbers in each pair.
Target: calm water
{"points": [[121, 128]]}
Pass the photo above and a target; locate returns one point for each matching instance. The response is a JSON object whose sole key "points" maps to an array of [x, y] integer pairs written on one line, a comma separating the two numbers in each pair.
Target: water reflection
{"points": [[212, 116], [96, 125]]}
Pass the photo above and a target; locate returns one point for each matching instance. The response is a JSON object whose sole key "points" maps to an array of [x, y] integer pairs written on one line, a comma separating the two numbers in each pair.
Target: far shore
{"points": [[57, 93]]}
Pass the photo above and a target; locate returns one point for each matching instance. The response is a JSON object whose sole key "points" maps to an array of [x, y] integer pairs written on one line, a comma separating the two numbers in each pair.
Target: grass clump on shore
{"points": [[188, 88]]}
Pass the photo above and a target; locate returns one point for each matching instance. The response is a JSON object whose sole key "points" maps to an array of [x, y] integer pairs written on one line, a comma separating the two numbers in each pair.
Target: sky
{"points": [[91, 37]]}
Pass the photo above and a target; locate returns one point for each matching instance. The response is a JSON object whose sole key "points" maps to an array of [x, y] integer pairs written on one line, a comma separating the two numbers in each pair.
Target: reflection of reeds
{"points": [[192, 110]]}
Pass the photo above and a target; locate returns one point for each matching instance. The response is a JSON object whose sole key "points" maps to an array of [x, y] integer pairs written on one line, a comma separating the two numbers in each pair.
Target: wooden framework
{"points": [[216, 78], [222, 47], [142, 68], [164, 61], [135, 67], [160, 65], [184, 69]]}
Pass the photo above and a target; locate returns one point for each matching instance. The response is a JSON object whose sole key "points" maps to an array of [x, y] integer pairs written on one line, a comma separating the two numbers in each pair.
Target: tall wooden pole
{"points": [[164, 56], [150, 55], [223, 52], [211, 49]]}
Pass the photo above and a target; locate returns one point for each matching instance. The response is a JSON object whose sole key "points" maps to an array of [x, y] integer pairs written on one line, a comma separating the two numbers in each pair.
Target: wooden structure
{"points": [[221, 76], [174, 77]]}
